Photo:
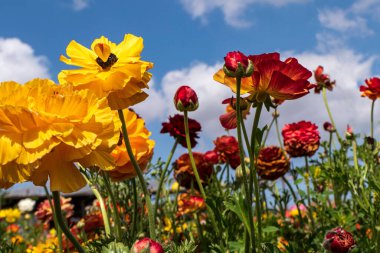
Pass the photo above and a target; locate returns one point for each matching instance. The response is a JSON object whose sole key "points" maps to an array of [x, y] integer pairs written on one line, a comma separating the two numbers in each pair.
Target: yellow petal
{"points": [[10, 148], [103, 51], [80, 56]]}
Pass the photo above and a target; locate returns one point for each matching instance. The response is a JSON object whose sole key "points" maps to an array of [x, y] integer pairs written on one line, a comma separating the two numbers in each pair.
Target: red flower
{"points": [[227, 148], [146, 245], [233, 59], [176, 128], [188, 203], [185, 99], [44, 211], [183, 172], [282, 80], [323, 80], [211, 157], [229, 119], [301, 139], [272, 163], [93, 222], [372, 90], [327, 126], [339, 240]]}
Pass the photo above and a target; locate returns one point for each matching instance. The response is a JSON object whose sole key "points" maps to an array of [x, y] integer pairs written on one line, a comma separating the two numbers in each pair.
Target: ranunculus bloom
{"points": [[47, 127], [189, 203], [227, 148], [211, 157], [44, 211], [10, 215], [185, 99], [146, 245], [142, 148], [110, 70], [372, 90], [301, 138], [282, 80], [339, 240], [323, 80], [183, 172], [229, 119], [26, 205], [233, 58], [176, 128], [93, 222], [12, 228], [292, 212], [272, 163]]}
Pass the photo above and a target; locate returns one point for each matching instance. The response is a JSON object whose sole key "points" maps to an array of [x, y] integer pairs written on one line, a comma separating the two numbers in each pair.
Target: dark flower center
{"points": [[112, 59]]}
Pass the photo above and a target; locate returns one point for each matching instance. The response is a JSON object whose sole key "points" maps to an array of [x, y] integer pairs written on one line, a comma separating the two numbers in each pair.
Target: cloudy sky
{"points": [[187, 40]]}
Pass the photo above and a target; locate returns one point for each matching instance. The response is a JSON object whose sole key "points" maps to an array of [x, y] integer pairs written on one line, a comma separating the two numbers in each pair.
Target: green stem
{"points": [[101, 202], [59, 231], [330, 115], [152, 229], [116, 216], [308, 192], [267, 133], [135, 208], [61, 222], [247, 188], [196, 174], [162, 178], [295, 199], [278, 133], [372, 109]]}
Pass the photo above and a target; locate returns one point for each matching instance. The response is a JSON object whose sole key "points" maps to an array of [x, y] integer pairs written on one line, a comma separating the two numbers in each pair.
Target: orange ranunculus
{"points": [[229, 119], [372, 90], [282, 80], [47, 127], [272, 163], [301, 138], [142, 148], [110, 70], [189, 203], [183, 171]]}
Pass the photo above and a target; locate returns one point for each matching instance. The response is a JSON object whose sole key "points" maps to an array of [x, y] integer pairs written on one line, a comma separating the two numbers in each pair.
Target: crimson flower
{"points": [[282, 80], [339, 240], [233, 59], [227, 148], [301, 138], [372, 90], [176, 128], [229, 119], [185, 99], [146, 245], [272, 163], [323, 80]]}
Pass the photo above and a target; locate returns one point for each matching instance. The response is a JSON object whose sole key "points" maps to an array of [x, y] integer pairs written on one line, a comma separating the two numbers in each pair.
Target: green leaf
{"points": [[270, 229]]}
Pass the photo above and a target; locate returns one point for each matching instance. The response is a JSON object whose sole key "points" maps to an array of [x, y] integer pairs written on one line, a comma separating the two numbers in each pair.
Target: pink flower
{"points": [[146, 245]]}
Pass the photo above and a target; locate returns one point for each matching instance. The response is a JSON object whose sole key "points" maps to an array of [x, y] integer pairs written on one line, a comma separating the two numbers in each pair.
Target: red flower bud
{"points": [[211, 157], [233, 59], [146, 245], [185, 99], [328, 127], [339, 240]]}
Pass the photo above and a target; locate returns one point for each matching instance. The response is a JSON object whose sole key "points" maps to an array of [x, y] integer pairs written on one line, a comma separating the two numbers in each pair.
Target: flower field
{"points": [[305, 194]]}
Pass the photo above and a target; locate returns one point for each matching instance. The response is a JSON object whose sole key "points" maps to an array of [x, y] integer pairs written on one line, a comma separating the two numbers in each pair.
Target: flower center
{"points": [[112, 59]]}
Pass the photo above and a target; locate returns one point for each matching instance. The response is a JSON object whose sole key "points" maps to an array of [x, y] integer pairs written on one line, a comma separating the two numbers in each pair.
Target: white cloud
{"points": [[364, 6], [233, 11], [343, 21], [19, 63], [79, 5]]}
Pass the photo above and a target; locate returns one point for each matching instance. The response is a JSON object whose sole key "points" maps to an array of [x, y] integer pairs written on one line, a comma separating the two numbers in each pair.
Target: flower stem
{"points": [[372, 109], [61, 222], [278, 133], [247, 188], [116, 215], [152, 229], [195, 171], [59, 231], [330, 115], [267, 133], [162, 178], [295, 199], [135, 208], [308, 192]]}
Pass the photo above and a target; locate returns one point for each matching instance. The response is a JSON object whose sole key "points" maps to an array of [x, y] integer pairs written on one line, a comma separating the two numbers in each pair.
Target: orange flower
{"points": [[301, 139], [109, 70], [183, 171], [188, 203], [372, 90], [282, 80], [272, 163], [323, 80], [229, 119], [227, 148], [44, 211], [142, 148]]}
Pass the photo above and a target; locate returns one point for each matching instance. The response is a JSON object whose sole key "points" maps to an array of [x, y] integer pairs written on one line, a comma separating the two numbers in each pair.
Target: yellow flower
{"points": [[45, 128], [282, 243], [17, 239], [10, 215], [142, 148], [110, 70]]}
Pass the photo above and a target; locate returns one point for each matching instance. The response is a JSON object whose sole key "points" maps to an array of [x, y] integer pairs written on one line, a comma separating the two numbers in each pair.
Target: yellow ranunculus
{"points": [[10, 215], [45, 128], [110, 70], [142, 148]]}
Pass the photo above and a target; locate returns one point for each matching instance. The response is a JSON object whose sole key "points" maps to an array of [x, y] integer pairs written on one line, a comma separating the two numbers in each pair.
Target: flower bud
{"points": [[146, 245], [185, 99], [327, 126], [349, 132], [236, 64], [339, 240]]}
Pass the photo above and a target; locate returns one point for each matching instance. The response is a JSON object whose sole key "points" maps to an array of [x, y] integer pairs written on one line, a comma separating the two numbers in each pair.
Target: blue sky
{"points": [[187, 40]]}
